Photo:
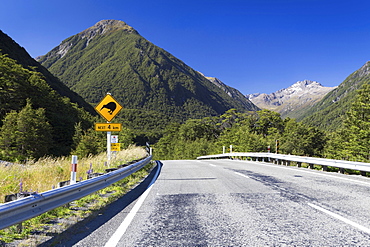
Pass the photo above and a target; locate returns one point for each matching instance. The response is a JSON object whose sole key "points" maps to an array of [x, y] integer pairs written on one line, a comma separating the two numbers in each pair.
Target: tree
{"points": [[164, 148], [335, 146], [357, 126], [268, 122], [25, 135], [90, 142], [301, 139], [194, 129]]}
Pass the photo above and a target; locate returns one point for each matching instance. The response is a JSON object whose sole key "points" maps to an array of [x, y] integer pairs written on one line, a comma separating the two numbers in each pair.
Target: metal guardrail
{"points": [[26, 208], [280, 158]]}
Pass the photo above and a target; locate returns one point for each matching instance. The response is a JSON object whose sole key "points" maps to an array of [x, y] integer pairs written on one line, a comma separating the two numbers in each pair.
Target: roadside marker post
{"points": [[73, 169]]}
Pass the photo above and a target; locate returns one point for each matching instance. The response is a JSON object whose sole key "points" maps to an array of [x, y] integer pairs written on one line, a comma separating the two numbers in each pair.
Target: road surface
{"points": [[241, 203]]}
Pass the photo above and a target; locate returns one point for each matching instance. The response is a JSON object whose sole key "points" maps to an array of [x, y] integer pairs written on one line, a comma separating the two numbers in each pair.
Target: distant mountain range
{"points": [[310, 102], [291, 101], [112, 57]]}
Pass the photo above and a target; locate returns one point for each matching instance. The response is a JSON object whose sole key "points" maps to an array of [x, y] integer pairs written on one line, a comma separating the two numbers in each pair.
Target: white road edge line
{"points": [[117, 235], [240, 174], [347, 221]]}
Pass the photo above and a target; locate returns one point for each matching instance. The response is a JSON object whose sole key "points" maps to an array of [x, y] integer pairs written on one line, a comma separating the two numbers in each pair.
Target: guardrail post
{"points": [[324, 168], [299, 164], [363, 173], [341, 170], [310, 166]]}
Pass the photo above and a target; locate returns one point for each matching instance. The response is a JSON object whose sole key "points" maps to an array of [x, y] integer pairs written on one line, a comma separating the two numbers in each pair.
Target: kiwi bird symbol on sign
{"points": [[111, 106], [108, 108]]}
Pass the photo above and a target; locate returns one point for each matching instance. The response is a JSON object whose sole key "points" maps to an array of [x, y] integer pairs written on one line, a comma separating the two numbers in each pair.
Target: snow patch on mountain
{"points": [[301, 94]]}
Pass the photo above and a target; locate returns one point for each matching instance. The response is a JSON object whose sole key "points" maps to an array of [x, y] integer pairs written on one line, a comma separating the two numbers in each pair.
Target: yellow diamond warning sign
{"points": [[108, 108]]}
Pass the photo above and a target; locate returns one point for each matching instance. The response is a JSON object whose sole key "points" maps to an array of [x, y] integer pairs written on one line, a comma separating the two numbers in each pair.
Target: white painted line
{"points": [[240, 174], [117, 235], [337, 216], [212, 165], [113, 241]]}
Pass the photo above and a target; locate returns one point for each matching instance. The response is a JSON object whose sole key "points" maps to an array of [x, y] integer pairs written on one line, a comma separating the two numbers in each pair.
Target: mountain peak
{"points": [[302, 86], [306, 83], [102, 27], [106, 26], [299, 95]]}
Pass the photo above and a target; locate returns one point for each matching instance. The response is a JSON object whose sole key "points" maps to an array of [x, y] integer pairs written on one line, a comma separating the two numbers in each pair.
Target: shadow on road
{"points": [[84, 228]]}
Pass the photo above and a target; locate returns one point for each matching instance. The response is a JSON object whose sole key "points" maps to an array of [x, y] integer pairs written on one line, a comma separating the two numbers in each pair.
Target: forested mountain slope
{"points": [[37, 116], [112, 57], [15, 51], [329, 112]]}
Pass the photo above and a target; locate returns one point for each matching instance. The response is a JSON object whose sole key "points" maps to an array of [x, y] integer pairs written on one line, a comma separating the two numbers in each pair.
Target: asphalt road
{"points": [[239, 203]]}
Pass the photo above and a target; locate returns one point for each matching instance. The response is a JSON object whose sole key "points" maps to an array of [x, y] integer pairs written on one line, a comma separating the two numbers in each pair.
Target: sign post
{"points": [[108, 108], [109, 152]]}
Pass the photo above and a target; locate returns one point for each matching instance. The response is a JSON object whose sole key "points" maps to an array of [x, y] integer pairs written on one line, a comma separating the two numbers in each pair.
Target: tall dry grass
{"points": [[46, 173]]}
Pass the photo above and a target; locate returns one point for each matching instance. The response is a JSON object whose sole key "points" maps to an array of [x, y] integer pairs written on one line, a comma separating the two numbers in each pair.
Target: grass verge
{"points": [[38, 229]]}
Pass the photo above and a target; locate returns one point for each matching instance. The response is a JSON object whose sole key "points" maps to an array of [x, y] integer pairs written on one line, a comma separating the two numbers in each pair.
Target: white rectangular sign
{"points": [[114, 139]]}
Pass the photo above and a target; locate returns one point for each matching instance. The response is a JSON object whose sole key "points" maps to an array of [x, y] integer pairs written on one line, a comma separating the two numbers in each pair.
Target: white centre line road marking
{"points": [[240, 174], [337, 216]]}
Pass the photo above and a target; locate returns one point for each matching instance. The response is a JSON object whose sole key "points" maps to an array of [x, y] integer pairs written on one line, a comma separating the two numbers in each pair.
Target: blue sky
{"points": [[252, 45]]}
